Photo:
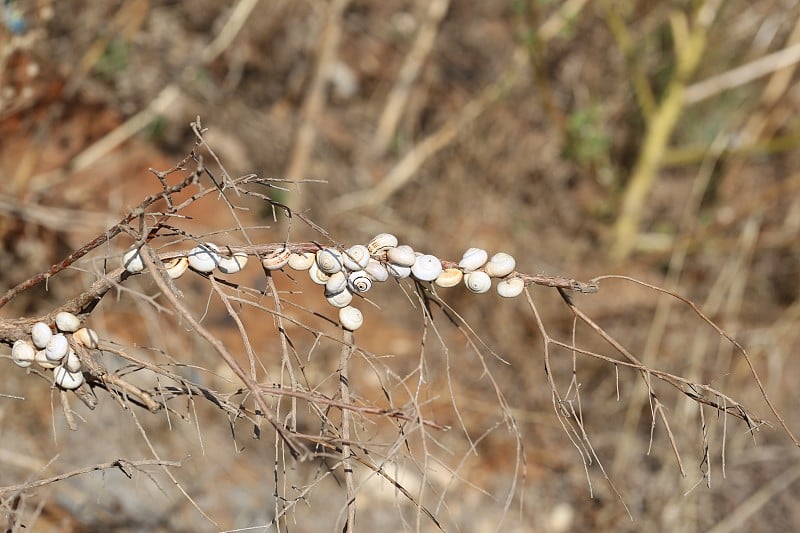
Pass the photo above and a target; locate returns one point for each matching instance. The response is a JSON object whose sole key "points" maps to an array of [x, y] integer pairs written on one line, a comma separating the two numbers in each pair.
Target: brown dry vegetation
{"points": [[585, 138]]}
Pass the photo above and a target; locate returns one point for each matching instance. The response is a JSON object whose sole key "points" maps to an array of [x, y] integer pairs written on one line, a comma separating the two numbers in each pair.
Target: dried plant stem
{"points": [[344, 392]]}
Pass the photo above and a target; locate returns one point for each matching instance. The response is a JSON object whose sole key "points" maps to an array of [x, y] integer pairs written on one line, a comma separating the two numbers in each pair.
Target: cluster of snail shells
{"points": [[56, 350], [204, 258], [479, 270]]}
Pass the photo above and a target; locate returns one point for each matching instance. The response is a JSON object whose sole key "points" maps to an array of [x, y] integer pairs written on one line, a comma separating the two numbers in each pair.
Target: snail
{"points": [[57, 347], [234, 263], [426, 268], [72, 362], [341, 299], [67, 322], [473, 259], [350, 318], [509, 288], [23, 353], [41, 359], [301, 261], [397, 271], [317, 276], [86, 337], [449, 277], [132, 260], [381, 243], [41, 335], [336, 283], [500, 265], [478, 281], [356, 257], [276, 259], [329, 260], [376, 271], [176, 266], [204, 258], [66, 379], [402, 255], [359, 281]]}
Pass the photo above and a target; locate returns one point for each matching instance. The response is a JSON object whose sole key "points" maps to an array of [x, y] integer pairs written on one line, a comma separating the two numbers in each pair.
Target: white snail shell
{"points": [[426, 268], [72, 362], [204, 258], [317, 276], [450, 277], [67, 322], [66, 379], [57, 348], [478, 281], [235, 263], [176, 267], [356, 257], [87, 337], [397, 271], [277, 259], [41, 335], [341, 299], [329, 260], [336, 283], [359, 281], [510, 288], [302, 261], [350, 318], [41, 359], [132, 261], [402, 255], [376, 271], [473, 259], [381, 243], [23, 353], [500, 265]]}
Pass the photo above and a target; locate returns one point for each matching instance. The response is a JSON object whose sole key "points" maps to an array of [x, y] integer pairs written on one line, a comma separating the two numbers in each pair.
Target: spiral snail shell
{"points": [[234, 263], [336, 283], [204, 258], [317, 276], [72, 362], [381, 243], [478, 281], [356, 257], [176, 266], [302, 261], [23, 353], [276, 259], [473, 259], [341, 299], [397, 271], [67, 322], [359, 281], [41, 359], [350, 318], [41, 335], [86, 337], [402, 255], [510, 288], [57, 347], [449, 277], [426, 267], [376, 271], [329, 260], [66, 379], [132, 260], [500, 265]]}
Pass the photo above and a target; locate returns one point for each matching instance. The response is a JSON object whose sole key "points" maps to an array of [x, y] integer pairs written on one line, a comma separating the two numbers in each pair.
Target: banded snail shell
{"points": [[233, 264], [402, 255], [67, 322], [500, 265], [176, 266], [341, 299], [204, 258], [66, 379], [302, 261], [132, 260], [329, 260], [426, 268], [473, 259], [478, 281], [356, 257], [359, 281], [450, 277], [23, 353], [376, 271], [57, 347], [351, 318], [381, 243], [510, 288], [336, 283], [41, 335], [276, 259]]}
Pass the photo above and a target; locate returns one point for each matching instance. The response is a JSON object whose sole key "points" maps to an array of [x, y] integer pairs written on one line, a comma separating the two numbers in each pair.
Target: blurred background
{"points": [[652, 139]]}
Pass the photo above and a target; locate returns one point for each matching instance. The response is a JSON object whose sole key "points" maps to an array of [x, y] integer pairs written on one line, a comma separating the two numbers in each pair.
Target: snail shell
{"points": [[376, 271], [67, 322], [276, 259], [336, 283], [66, 379], [356, 257], [478, 281], [359, 281], [41, 359], [350, 318], [132, 261], [397, 271], [510, 288], [329, 260], [341, 299], [317, 276], [500, 265], [402, 255], [86, 337], [450, 277], [234, 263], [176, 267], [57, 348], [426, 268], [302, 261], [41, 335], [23, 353], [381, 243], [473, 259], [72, 362], [204, 258]]}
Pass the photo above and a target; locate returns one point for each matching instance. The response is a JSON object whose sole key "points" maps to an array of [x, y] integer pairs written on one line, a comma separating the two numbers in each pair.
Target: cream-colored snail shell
{"points": [[23, 353], [66, 379], [176, 267], [72, 362], [402, 255], [302, 261], [329, 260], [317, 276], [57, 347], [276, 259], [132, 261], [236, 262], [473, 259], [510, 288], [41, 335], [397, 271], [87, 337], [350, 318], [376, 271], [381, 243], [450, 277], [356, 257], [426, 268], [67, 322], [336, 283], [341, 299], [41, 359], [359, 281], [500, 265], [478, 281], [204, 258]]}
